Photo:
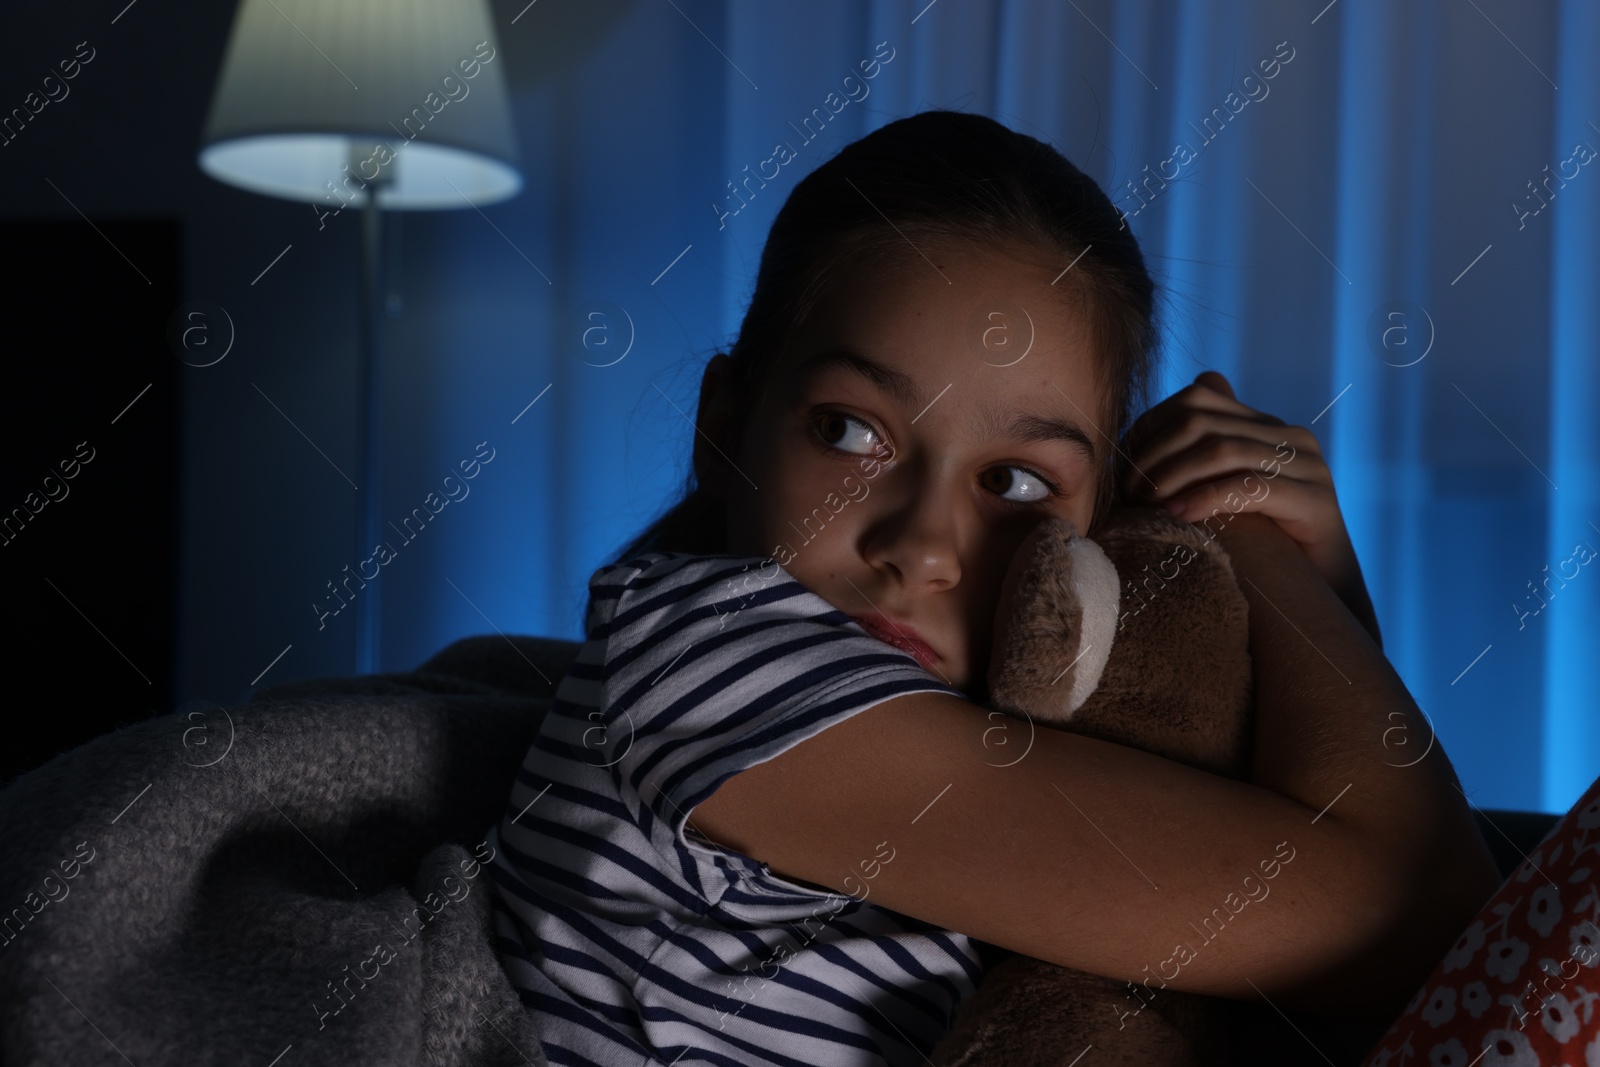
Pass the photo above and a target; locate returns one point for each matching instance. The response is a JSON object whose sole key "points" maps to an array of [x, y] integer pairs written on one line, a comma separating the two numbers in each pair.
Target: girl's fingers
{"points": [[1252, 449], [1301, 508], [1214, 380], [1198, 396]]}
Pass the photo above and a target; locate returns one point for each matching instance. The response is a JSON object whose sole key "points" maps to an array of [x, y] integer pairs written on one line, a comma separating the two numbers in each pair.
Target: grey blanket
{"points": [[295, 880]]}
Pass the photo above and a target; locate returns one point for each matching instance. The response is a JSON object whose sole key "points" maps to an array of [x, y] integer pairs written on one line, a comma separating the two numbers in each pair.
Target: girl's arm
{"points": [[1337, 730], [1118, 862]]}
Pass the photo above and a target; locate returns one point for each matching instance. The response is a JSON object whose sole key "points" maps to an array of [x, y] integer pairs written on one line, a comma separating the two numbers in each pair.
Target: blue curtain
{"points": [[1374, 217]]}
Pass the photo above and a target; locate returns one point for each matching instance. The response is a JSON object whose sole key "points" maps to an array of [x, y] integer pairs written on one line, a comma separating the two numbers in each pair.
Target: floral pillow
{"points": [[1521, 986]]}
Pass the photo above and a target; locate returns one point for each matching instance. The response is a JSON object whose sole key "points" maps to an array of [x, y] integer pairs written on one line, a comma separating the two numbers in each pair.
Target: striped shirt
{"points": [[632, 938]]}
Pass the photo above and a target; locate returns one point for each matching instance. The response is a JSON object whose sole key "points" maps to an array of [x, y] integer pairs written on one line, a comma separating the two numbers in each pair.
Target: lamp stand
{"points": [[368, 435]]}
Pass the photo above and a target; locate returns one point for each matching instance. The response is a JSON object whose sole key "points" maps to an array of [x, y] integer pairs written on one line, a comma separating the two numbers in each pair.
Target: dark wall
{"points": [[89, 427]]}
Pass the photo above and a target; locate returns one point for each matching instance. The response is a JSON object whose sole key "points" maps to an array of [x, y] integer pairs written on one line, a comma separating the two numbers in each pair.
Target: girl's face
{"points": [[923, 420]]}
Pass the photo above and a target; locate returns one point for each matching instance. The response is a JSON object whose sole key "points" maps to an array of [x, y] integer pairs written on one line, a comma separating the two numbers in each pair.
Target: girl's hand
{"points": [[1201, 453]]}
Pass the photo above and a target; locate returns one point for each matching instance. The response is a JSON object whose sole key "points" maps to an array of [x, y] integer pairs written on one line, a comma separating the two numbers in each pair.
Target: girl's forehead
{"points": [[959, 316], [986, 297]]}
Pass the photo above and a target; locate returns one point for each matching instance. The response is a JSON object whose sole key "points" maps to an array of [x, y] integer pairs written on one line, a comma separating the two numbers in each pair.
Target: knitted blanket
{"points": [[296, 880]]}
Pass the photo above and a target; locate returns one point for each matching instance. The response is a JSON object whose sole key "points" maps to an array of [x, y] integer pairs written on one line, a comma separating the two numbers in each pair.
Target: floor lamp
{"points": [[381, 105]]}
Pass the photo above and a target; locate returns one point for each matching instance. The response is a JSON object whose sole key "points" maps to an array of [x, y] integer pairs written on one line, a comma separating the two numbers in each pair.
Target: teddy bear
{"points": [[1137, 636]]}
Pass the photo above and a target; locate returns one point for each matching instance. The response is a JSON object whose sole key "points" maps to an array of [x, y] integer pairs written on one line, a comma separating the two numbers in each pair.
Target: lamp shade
{"points": [[315, 96]]}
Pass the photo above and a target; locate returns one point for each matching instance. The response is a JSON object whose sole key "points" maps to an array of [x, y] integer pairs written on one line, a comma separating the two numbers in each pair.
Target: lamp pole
{"points": [[285, 119], [369, 429]]}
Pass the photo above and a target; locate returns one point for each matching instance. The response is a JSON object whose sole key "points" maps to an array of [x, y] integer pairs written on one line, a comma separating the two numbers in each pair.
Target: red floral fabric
{"points": [[1521, 986]]}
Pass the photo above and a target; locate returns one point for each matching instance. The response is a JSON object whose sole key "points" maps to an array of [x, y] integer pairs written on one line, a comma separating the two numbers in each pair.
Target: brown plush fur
{"points": [[1175, 681]]}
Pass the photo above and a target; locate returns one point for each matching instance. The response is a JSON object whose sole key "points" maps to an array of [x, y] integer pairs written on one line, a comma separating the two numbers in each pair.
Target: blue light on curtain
{"points": [[1571, 668], [1380, 257]]}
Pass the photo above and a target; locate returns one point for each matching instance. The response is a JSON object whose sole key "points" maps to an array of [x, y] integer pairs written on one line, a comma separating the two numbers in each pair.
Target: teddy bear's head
{"points": [[1138, 635]]}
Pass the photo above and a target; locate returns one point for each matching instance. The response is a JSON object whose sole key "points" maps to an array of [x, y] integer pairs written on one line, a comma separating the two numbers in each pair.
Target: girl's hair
{"points": [[937, 174]]}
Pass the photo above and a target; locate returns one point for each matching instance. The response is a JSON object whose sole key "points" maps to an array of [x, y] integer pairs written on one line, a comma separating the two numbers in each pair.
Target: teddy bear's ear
{"points": [[1096, 589], [1062, 596]]}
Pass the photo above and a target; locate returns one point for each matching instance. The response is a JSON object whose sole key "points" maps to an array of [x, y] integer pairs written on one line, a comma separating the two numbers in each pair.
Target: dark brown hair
{"points": [[933, 175]]}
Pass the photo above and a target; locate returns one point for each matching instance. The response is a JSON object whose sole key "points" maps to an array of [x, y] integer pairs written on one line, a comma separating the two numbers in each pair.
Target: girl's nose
{"points": [[916, 536]]}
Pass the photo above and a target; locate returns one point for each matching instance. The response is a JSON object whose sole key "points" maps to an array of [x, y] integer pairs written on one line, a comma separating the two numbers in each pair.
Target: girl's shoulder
{"points": [[653, 582], [662, 561]]}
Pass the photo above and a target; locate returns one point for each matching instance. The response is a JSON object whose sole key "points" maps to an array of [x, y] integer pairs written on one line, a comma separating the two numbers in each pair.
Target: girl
{"points": [[765, 820]]}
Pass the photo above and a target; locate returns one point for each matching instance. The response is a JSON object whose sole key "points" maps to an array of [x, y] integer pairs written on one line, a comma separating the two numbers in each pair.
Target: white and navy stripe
{"points": [[635, 940]]}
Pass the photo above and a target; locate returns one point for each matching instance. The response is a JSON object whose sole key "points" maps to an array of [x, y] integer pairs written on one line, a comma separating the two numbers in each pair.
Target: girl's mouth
{"points": [[900, 635]]}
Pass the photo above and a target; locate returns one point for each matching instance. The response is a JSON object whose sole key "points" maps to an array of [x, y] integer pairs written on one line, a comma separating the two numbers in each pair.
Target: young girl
{"points": [[767, 819]]}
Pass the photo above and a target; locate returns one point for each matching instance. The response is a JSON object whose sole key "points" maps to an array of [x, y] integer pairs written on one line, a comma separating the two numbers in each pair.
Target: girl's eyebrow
{"points": [[897, 384], [1028, 427], [1024, 427]]}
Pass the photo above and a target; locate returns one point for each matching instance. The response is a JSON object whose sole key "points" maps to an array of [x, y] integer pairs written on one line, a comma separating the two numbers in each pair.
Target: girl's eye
{"points": [[849, 434], [1017, 484]]}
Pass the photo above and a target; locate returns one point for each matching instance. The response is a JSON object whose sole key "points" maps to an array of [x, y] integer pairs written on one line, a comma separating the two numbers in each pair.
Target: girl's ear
{"points": [[715, 423]]}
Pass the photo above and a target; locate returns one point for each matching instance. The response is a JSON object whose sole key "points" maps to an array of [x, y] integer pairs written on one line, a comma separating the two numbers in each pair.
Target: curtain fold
{"points": [[1571, 666]]}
